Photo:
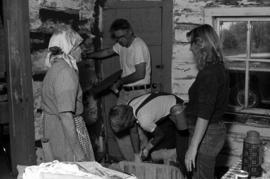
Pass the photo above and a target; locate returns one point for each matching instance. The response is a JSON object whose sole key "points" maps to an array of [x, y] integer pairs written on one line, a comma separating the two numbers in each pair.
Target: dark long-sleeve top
{"points": [[208, 95]]}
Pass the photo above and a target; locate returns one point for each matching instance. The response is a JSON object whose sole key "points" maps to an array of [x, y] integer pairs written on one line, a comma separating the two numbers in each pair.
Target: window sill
{"points": [[249, 119]]}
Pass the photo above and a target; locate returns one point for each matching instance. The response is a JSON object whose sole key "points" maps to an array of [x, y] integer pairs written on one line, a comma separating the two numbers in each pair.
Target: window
{"points": [[245, 36]]}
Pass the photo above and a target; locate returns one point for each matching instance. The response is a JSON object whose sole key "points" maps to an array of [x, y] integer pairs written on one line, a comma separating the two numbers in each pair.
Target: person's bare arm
{"points": [[71, 135], [100, 54], [199, 131], [137, 75], [133, 77], [134, 136], [158, 136], [143, 138]]}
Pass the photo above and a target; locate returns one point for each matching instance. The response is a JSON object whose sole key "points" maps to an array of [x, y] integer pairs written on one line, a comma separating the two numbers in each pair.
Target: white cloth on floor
{"points": [[55, 167], [72, 170]]}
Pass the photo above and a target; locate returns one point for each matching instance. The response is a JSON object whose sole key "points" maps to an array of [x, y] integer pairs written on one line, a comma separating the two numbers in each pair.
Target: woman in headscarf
{"points": [[62, 100]]}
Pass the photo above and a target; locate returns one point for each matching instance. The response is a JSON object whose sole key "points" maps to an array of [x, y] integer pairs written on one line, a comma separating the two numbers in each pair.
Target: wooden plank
{"points": [[2, 47], [237, 11], [116, 4], [167, 36], [157, 65], [16, 24], [211, 13]]}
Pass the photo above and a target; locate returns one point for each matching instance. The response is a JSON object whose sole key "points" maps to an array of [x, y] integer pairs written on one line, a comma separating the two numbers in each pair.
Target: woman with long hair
{"points": [[208, 97]]}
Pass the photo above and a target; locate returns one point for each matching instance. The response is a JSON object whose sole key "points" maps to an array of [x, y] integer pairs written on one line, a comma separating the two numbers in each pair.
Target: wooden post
{"points": [[167, 45], [19, 77]]}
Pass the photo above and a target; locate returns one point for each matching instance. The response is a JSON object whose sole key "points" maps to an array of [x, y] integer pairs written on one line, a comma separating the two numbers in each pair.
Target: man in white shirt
{"points": [[134, 59], [135, 62]]}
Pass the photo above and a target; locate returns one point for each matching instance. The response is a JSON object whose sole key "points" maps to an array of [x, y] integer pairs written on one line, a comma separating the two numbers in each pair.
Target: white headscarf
{"points": [[68, 41]]}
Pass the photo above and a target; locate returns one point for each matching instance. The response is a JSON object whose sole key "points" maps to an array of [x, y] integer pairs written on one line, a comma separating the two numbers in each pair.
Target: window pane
{"points": [[235, 64], [234, 38], [259, 85], [260, 40], [259, 89], [237, 86], [259, 66]]}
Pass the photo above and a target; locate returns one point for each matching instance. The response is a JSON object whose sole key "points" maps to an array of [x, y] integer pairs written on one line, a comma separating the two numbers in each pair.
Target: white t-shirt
{"points": [[135, 54], [152, 111]]}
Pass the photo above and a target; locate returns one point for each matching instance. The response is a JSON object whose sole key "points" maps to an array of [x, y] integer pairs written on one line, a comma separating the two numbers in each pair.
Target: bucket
{"points": [[151, 171]]}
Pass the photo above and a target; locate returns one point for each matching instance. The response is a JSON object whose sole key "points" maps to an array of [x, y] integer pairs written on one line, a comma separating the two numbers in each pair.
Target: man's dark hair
{"points": [[120, 24], [119, 116]]}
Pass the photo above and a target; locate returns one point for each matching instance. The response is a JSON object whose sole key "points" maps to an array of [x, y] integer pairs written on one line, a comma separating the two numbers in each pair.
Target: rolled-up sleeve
{"points": [[147, 123], [207, 94], [141, 54]]}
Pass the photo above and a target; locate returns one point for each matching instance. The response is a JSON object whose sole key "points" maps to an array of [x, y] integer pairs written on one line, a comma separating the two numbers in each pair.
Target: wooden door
{"points": [[150, 20]]}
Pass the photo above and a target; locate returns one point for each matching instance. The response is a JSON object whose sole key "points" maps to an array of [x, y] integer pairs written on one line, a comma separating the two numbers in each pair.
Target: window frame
{"points": [[213, 16]]}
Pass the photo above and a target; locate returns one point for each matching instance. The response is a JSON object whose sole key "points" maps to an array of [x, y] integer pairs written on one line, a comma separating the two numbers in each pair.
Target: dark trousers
{"points": [[209, 148], [169, 129], [174, 139], [168, 141]]}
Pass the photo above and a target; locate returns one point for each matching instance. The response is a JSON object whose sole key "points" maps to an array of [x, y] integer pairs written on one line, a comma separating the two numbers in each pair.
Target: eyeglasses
{"points": [[117, 38]]}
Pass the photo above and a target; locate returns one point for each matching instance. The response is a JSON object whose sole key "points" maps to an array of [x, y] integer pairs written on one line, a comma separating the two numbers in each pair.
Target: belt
{"points": [[139, 87]]}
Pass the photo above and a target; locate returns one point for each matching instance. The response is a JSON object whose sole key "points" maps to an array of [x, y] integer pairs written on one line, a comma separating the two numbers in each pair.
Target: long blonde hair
{"points": [[210, 48]]}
